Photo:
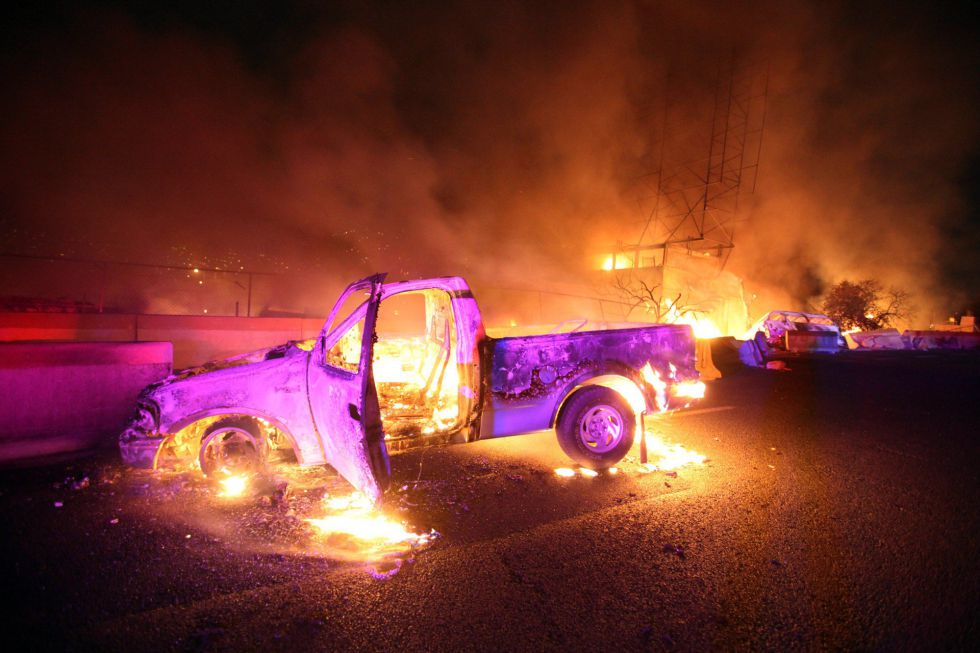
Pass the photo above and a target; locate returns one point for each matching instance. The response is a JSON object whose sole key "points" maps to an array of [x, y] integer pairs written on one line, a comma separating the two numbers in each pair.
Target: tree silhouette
{"points": [[866, 305]]}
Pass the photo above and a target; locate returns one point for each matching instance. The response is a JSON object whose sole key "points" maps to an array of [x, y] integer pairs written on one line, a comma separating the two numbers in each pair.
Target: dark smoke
{"points": [[499, 140]]}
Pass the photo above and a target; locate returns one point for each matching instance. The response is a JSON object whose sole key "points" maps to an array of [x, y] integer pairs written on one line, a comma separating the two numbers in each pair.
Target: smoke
{"points": [[871, 124], [504, 141]]}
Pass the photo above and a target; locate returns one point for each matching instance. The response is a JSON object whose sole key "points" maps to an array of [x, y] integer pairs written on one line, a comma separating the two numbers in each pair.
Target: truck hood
{"points": [[252, 357], [269, 382]]}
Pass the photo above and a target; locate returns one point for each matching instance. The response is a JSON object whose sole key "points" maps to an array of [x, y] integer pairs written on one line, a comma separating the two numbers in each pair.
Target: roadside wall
{"points": [[941, 340], [196, 338], [61, 397]]}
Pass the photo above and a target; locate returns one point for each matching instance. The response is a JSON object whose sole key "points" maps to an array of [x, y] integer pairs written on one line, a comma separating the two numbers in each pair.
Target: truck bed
{"points": [[580, 325], [530, 375]]}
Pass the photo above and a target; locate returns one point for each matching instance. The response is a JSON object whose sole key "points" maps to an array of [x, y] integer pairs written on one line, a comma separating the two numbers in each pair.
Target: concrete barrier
{"points": [[196, 338], [878, 339], [78, 327], [928, 340], [62, 397]]}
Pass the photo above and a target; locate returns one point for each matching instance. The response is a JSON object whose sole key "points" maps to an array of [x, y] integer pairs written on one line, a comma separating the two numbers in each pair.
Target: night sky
{"points": [[501, 139]]}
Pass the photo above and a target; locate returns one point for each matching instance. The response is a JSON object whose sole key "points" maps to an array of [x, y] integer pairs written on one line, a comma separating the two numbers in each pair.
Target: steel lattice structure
{"points": [[696, 205]]}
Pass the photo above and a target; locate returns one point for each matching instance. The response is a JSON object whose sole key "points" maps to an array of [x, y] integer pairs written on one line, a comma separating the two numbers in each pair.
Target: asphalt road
{"points": [[838, 509]]}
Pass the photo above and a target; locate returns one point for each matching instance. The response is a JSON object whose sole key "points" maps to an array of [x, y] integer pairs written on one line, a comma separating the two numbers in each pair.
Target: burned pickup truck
{"points": [[410, 364]]}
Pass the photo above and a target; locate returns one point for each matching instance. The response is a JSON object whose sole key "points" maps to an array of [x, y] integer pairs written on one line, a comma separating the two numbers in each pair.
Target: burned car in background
{"points": [[410, 364], [795, 331]]}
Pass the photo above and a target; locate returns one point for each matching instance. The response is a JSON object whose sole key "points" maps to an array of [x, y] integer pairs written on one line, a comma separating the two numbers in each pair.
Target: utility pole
{"points": [[248, 310]]}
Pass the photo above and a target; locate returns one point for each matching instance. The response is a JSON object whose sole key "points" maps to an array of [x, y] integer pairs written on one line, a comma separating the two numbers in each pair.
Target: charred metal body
{"points": [[531, 376], [355, 392]]}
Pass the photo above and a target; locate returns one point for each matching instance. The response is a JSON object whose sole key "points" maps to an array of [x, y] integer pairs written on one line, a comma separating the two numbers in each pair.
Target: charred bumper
{"points": [[138, 448], [140, 442]]}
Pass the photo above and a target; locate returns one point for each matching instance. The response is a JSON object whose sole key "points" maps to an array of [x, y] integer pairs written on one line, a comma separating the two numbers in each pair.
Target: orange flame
{"points": [[682, 389], [374, 535], [689, 389], [659, 386], [618, 261], [568, 472], [702, 325], [233, 486], [431, 383], [667, 456]]}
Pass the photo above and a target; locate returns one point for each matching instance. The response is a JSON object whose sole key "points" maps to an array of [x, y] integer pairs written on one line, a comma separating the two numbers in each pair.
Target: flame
{"points": [[701, 324], [659, 386], [689, 389], [233, 486], [355, 519], [618, 261], [567, 472], [668, 457], [414, 375]]}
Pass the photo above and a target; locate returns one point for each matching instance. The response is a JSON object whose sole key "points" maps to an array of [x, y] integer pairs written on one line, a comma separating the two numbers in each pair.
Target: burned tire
{"points": [[232, 446], [596, 427]]}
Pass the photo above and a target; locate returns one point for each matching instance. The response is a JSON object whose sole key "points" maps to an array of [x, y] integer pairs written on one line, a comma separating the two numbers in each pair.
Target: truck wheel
{"points": [[596, 427], [231, 446]]}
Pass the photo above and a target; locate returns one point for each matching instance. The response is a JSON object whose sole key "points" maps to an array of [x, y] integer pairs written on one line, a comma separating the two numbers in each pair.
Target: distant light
{"points": [[196, 270], [205, 310], [201, 282]]}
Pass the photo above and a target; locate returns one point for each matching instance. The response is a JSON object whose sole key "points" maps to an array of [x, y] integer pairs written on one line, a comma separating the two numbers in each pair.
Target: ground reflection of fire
{"points": [[352, 523], [665, 456], [568, 472]]}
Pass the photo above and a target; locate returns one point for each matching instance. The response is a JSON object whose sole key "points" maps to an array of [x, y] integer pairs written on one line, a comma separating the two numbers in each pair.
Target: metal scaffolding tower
{"points": [[697, 204]]}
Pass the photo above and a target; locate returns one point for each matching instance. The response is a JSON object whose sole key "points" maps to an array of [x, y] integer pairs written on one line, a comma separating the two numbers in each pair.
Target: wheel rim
{"points": [[229, 450], [601, 428]]}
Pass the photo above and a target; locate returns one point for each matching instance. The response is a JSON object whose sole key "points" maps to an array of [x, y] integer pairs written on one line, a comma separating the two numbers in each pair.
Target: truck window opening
{"points": [[415, 369]]}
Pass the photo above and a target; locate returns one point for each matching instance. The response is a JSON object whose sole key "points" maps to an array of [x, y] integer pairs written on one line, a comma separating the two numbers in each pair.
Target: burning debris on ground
{"points": [[295, 513]]}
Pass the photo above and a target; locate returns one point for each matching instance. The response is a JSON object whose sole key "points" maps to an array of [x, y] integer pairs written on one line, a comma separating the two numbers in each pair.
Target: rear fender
{"points": [[621, 378]]}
